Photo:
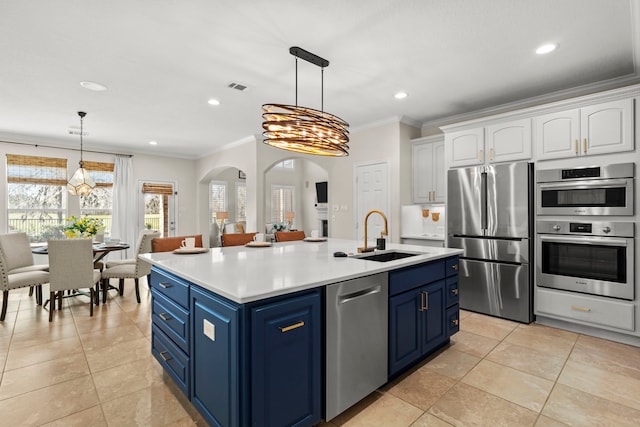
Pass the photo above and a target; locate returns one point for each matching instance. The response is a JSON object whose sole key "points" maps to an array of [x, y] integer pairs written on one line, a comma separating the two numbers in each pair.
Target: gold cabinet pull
{"points": [[455, 291], [426, 300], [576, 308], [455, 267], [456, 322], [490, 154], [576, 145], [165, 285], [421, 302], [480, 156], [584, 146], [292, 327], [164, 356], [164, 316]]}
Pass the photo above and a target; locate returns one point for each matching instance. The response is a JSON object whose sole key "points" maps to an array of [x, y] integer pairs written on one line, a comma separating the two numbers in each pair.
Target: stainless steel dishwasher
{"points": [[356, 340]]}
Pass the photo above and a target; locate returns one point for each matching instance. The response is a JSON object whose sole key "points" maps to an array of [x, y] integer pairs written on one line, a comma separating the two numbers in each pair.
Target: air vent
{"points": [[76, 131], [237, 86]]}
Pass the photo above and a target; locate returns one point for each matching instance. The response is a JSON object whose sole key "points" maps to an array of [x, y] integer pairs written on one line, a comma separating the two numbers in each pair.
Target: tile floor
{"points": [[99, 371]]}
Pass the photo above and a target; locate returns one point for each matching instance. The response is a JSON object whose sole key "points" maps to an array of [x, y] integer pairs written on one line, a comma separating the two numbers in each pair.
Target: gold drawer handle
{"points": [[455, 267], [576, 145], [584, 146], [291, 327], [426, 300], [165, 285], [491, 154], [585, 309], [455, 291], [455, 322], [164, 317], [164, 356]]}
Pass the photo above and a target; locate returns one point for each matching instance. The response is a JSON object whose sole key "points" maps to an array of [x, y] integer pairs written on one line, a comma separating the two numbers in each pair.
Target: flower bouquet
{"points": [[83, 227]]}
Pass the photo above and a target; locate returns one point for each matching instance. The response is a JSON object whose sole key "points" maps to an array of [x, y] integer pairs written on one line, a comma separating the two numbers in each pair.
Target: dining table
{"points": [[100, 250]]}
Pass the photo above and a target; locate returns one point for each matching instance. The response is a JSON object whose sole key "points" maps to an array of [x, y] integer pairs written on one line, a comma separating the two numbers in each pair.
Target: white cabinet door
{"points": [[557, 135], [422, 162], [439, 173], [509, 141], [607, 127], [467, 147]]}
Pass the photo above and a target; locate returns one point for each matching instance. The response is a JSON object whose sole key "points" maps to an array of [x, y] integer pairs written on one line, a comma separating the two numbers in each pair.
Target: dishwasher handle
{"points": [[343, 299]]}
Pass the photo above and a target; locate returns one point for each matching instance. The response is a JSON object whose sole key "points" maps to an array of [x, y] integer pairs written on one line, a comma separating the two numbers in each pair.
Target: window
{"points": [[285, 164], [37, 196], [241, 201], [99, 203], [217, 198], [158, 206], [282, 197]]}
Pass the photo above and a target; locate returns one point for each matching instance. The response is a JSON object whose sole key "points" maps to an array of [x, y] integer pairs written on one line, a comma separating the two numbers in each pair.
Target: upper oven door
{"points": [[585, 197]]}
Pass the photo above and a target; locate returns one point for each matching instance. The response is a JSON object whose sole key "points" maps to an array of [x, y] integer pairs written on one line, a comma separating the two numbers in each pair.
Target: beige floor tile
{"points": [[118, 354], [575, 407], [356, 409], [608, 355], [42, 352], [452, 363], [422, 388], [543, 339], [124, 379], [5, 340], [89, 417], [145, 328], [599, 382], [428, 420], [464, 314], [473, 344], [388, 411], [102, 321], [487, 326], [528, 360], [42, 406], [544, 421], [108, 337], [515, 386], [34, 377], [151, 406], [184, 422], [6, 327], [464, 405], [46, 332]]}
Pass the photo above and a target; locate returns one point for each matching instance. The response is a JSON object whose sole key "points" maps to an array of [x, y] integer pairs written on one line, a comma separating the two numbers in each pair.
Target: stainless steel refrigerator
{"points": [[489, 211]]}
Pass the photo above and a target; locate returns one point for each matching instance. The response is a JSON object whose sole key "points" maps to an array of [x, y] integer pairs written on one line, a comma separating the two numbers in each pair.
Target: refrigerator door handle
{"points": [[483, 200]]}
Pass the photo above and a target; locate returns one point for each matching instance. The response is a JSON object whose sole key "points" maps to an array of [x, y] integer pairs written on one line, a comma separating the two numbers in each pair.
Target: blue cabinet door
{"points": [[434, 328], [405, 325], [215, 359], [286, 383]]}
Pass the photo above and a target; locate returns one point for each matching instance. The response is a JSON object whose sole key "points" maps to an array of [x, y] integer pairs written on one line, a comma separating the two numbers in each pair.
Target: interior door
{"points": [[372, 192], [157, 207]]}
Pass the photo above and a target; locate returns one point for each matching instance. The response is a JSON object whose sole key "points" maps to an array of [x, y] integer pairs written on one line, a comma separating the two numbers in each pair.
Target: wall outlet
{"points": [[209, 329]]}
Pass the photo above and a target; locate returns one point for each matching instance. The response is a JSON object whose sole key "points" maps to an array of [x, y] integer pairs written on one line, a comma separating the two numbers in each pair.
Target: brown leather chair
{"points": [[168, 244], [237, 239], [289, 236]]}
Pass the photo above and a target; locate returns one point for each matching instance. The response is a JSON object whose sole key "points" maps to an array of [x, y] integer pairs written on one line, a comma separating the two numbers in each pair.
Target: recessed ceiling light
{"points": [[400, 95], [93, 86], [546, 48], [213, 102], [153, 143]]}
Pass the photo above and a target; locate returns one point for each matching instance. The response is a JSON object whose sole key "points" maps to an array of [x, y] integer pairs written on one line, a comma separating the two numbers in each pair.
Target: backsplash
{"points": [[422, 220]]}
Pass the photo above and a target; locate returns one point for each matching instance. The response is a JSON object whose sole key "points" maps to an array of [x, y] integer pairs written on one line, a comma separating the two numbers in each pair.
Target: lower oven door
{"points": [[589, 264]]}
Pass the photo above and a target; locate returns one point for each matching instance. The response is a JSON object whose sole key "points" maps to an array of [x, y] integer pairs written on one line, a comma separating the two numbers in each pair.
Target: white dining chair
{"points": [[20, 279], [19, 259], [71, 268]]}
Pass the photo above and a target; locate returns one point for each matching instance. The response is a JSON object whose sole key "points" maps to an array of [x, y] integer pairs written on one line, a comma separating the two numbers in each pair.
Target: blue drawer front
{"points": [[452, 291], [175, 362], [170, 286], [172, 319], [453, 320], [412, 277], [452, 266]]}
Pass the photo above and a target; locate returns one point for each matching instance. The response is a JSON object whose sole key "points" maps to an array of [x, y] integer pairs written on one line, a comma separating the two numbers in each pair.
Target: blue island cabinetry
{"points": [[255, 364]]}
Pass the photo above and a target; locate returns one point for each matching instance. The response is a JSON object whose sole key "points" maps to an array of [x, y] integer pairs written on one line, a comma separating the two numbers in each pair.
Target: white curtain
{"points": [[124, 204]]}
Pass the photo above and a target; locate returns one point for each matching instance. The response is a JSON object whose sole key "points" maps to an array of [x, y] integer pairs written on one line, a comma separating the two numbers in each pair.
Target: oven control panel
{"points": [[601, 228]]}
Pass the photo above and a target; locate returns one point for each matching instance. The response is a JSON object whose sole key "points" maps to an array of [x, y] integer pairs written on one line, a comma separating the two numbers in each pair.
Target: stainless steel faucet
{"points": [[382, 234]]}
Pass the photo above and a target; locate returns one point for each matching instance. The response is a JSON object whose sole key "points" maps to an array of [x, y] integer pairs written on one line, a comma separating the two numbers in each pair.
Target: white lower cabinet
{"points": [[607, 313]]}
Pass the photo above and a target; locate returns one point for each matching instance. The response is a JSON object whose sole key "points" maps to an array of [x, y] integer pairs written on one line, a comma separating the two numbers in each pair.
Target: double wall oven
{"points": [[584, 244]]}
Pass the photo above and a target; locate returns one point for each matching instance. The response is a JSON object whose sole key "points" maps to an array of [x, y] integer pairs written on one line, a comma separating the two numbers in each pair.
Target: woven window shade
{"points": [[36, 170], [154, 188], [100, 172]]}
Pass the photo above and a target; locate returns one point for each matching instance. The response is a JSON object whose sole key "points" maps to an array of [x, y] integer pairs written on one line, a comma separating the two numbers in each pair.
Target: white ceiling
{"points": [[163, 59]]}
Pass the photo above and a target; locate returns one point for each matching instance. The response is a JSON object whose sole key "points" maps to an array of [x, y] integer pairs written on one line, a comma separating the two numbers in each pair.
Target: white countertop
{"points": [[423, 236], [244, 274]]}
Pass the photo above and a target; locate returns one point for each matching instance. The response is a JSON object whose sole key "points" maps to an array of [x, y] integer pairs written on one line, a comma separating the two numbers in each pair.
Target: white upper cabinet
{"points": [[509, 141], [466, 147], [597, 129], [428, 170]]}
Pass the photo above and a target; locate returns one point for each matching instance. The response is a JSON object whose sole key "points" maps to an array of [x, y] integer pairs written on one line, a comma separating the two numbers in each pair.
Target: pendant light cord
{"points": [[81, 132], [296, 81]]}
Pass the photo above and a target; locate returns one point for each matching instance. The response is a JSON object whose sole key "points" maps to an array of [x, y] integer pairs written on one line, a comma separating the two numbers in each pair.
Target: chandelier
{"points": [[81, 183], [302, 129]]}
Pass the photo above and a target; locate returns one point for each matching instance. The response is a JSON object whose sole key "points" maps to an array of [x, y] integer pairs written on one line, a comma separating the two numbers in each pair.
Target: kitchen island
{"points": [[242, 330]]}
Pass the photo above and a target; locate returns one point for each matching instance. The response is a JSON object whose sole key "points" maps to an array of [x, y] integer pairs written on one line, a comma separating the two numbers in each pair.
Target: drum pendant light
{"points": [[81, 183], [302, 129]]}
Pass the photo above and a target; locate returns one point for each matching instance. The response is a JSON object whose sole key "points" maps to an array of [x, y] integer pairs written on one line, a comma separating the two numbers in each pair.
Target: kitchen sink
{"points": [[386, 256]]}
